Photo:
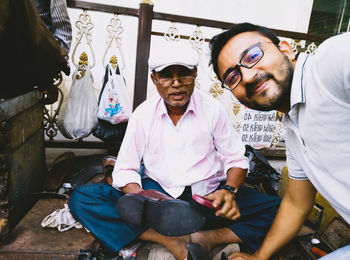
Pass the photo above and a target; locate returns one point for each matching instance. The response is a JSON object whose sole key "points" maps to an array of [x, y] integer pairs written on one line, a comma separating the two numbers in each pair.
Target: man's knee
{"points": [[95, 193], [81, 194], [76, 200]]}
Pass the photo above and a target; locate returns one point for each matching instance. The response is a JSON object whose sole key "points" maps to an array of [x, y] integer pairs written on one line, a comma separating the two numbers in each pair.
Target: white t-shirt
{"points": [[318, 124]]}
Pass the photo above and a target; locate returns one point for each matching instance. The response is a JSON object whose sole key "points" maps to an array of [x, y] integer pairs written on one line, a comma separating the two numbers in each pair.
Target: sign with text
{"points": [[257, 127]]}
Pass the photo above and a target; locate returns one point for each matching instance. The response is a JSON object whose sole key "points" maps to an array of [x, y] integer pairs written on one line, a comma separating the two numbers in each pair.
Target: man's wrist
{"points": [[230, 188], [131, 187], [260, 256]]}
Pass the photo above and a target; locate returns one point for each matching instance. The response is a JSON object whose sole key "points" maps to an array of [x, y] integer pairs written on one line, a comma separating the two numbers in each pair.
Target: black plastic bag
{"points": [[260, 172], [108, 132]]}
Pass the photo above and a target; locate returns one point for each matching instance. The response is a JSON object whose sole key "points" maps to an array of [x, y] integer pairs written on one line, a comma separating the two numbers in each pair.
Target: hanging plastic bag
{"points": [[81, 109], [114, 105], [104, 129]]}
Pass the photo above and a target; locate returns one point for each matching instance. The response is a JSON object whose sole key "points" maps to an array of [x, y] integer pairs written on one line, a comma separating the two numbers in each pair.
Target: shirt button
{"points": [[295, 111]]}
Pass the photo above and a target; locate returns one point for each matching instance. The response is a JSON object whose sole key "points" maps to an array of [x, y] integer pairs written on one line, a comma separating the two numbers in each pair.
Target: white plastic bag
{"points": [[115, 105], [62, 219], [81, 109]]}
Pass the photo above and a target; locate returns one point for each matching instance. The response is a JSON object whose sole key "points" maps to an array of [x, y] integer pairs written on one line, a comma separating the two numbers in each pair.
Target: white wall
{"points": [[278, 14]]}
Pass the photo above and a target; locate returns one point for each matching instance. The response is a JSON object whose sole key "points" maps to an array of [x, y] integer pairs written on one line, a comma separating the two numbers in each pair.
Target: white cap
{"points": [[172, 54]]}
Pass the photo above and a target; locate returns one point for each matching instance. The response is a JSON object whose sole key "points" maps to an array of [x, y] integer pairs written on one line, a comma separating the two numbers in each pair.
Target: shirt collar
{"points": [[297, 94]]}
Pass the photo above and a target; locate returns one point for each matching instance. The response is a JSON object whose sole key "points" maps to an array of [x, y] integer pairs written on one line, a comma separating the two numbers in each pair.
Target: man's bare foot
{"points": [[177, 246], [200, 238], [211, 238]]}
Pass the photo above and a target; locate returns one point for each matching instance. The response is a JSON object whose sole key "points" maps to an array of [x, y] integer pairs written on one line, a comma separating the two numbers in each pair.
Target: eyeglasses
{"points": [[167, 82], [250, 57]]}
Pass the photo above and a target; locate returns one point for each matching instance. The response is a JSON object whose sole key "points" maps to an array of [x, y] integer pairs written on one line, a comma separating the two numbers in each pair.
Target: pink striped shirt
{"points": [[197, 152]]}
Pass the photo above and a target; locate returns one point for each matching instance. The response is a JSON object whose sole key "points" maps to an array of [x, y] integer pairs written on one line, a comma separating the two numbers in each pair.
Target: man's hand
{"points": [[226, 201], [294, 209]]}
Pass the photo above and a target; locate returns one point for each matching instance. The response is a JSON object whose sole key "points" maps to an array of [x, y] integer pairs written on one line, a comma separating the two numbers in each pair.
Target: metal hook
{"points": [[84, 26], [172, 34], [115, 30], [197, 40]]}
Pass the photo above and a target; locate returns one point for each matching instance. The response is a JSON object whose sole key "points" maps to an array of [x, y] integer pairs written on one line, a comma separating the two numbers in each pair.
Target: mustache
{"points": [[250, 86]]}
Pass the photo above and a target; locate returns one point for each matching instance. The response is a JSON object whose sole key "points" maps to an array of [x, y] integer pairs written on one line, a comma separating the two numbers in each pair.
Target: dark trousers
{"points": [[94, 205]]}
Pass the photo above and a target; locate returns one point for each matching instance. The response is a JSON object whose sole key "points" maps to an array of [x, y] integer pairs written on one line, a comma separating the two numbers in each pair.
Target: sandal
{"points": [[196, 252], [59, 169]]}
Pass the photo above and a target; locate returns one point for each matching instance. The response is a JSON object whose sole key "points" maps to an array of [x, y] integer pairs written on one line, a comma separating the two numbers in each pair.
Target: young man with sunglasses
{"points": [[314, 93], [188, 146]]}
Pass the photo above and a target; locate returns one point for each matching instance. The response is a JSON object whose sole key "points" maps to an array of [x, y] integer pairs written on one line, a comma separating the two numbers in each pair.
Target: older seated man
{"points": [[188, 146]]}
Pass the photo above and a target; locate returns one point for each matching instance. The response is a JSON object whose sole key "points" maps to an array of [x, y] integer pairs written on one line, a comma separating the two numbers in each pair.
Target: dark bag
{"points": [[261, 173], [105, 130], [108, 132], [30, 54]]}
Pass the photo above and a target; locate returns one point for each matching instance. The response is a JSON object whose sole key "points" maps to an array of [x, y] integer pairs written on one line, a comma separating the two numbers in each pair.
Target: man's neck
{"points": [[175, 113], [285, 108]]}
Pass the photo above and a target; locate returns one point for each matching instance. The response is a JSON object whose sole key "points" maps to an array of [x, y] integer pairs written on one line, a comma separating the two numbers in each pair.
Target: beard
{"points": [[282, 94]]}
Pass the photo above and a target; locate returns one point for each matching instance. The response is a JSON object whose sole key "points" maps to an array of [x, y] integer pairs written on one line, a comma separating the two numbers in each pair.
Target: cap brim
{"points": [[160, 68]]}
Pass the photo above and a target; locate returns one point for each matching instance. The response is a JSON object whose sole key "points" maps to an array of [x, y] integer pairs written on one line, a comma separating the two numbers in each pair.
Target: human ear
{"points": [[153, 77], [287, 50], [195, 71]]}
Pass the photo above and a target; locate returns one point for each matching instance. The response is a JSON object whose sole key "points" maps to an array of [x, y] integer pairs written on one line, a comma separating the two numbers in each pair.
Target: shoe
{"points": [[196, 252], [103, 254], [59, 169], [167, 216], [108, 166], [224, 256], [85, 175]]}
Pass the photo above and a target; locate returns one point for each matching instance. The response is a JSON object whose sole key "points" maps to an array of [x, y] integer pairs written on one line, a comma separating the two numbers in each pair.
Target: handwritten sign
{"points": [[257, 127]]}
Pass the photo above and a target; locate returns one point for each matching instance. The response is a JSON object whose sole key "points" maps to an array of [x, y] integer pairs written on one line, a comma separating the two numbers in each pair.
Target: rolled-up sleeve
{"points": [[130, 155], [227, 142]]}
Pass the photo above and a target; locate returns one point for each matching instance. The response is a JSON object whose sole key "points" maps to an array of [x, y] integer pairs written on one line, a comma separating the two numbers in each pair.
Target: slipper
{"points": [[224, 256], [109, 160], [222, 251], [196, 252], [59, 169], [167, 216]]}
